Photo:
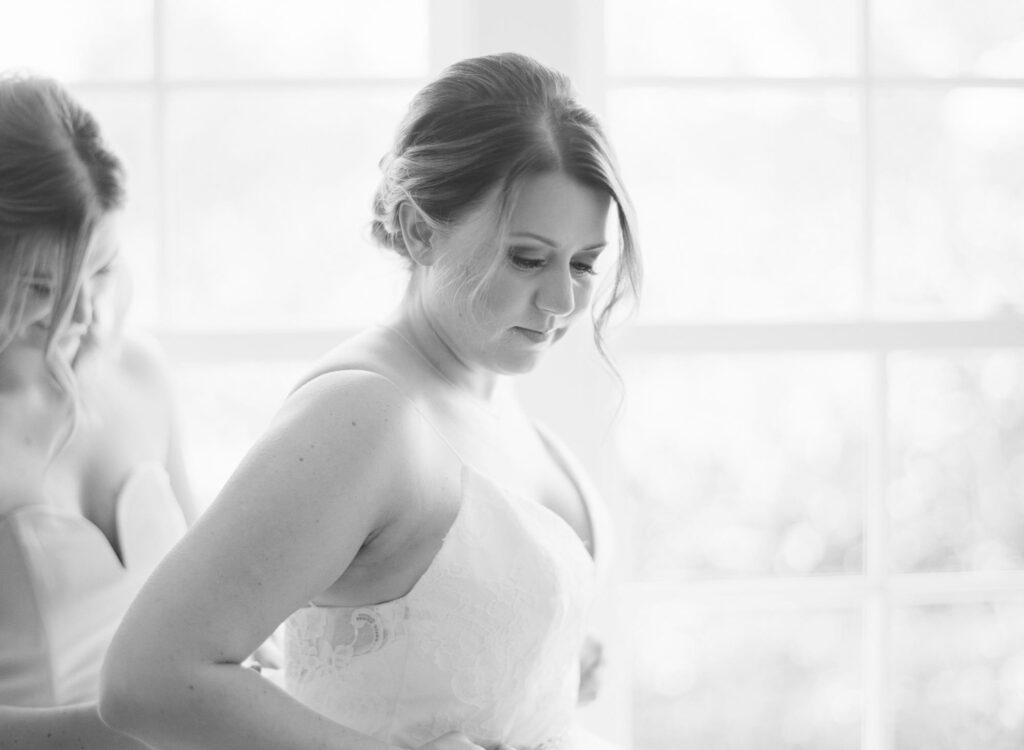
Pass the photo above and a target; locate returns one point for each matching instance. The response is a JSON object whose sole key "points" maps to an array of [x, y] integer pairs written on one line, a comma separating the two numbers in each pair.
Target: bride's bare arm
{"points": [[75, 727], [289, 521]]}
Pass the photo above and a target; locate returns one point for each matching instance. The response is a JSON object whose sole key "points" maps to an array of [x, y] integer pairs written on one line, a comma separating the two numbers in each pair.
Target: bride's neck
{"points": [[414, 324]]}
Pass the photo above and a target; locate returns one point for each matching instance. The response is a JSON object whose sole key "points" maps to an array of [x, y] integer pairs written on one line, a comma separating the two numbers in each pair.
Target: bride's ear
{"points": [[416, 233]]}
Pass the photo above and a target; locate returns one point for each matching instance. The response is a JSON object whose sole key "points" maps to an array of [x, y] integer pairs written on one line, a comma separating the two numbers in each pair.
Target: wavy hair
{"points": [[57, 180]]}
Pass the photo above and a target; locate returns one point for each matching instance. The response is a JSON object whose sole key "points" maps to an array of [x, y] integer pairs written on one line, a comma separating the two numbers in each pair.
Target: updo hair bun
{"points": [[385, 228], [490, 122]]}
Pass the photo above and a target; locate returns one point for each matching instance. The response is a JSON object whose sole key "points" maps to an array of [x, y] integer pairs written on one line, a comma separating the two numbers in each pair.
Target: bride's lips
{"points": [[537, 337]]}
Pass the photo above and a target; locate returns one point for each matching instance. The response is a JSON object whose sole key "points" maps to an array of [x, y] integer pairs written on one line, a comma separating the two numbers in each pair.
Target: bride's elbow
{"points": [[130, 690], [117, 709], [122, 701]]}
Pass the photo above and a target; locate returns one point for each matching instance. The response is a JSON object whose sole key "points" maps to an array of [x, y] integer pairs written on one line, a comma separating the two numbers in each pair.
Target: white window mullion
{"points": [[877, 713], [877, 719], [159, 88]]}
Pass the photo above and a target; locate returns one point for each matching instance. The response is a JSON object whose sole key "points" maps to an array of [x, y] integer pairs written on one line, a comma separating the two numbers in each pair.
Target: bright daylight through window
{"points": [[819, 460]]}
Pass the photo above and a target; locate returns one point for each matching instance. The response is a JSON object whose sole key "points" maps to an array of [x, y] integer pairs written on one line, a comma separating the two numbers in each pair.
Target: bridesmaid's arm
{"points": [[64, 728]]}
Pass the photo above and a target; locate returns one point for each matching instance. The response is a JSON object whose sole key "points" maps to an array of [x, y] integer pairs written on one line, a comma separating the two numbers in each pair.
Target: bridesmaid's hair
{"points": [[57, 180], [489, 122]]}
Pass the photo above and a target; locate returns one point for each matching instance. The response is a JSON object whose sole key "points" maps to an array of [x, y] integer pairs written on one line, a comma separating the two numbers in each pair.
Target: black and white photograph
{"points": [[511, 375]]}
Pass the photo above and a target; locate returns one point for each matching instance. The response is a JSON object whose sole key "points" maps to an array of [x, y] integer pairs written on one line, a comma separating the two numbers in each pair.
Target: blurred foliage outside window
{"points": [[828, 541], [826, 544]]}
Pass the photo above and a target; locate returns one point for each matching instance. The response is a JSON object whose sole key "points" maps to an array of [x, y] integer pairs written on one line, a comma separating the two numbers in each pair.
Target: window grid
{"points": [[876, 590], [159, 84], [243, 346], [877, 719]]}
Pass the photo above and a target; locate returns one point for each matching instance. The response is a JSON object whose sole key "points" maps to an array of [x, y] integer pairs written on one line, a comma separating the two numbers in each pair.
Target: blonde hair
{"points": [[57, 181], [488, 123]]}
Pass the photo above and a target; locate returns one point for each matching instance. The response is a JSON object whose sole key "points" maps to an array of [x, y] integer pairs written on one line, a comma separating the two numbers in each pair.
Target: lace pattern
{"points": [[487, 642], [319, 643]]}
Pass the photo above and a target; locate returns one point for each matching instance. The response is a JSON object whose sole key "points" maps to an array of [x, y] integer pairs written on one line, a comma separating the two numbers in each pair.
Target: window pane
{"points": [[948, 37], [747, 200], [745, 679], [269, 207], [950, 230], [957, 462], [732, 37], [78, 41], [224, 409], [959, 677], [298, 39], [745, 464]]}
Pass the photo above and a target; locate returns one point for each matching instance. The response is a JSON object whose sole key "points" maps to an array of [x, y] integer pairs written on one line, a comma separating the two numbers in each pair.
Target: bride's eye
{"points": [[525, 262]]}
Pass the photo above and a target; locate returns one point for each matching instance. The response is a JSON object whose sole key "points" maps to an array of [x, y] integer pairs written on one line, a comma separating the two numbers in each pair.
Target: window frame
{"points": [[574, 40]]}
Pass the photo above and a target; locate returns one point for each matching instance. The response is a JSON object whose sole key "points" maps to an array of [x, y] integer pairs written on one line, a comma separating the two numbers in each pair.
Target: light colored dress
{"points": [[63, 589], [487, 642]]}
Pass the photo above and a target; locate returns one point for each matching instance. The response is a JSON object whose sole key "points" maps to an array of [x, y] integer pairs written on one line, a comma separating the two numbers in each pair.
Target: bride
{"points": [[429, 549]]}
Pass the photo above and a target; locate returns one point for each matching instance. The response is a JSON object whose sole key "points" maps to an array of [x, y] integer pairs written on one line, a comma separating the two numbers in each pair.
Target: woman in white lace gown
{"points": [[91, 487], [429, 548]]}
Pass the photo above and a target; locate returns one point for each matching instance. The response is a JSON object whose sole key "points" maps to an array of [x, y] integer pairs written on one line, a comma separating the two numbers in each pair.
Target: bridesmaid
{"points": [[92, 491]]}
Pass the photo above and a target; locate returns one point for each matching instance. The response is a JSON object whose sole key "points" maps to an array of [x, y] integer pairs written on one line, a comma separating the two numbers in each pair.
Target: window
{"points": [[816, 469], [251, 133], [821, 443]]}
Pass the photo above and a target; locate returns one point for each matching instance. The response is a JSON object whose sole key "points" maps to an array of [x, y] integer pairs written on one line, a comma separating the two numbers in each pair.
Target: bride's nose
{"points": [[555, 294]]}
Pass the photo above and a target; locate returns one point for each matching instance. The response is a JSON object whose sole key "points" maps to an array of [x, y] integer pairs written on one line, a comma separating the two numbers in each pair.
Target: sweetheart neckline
{"points": [[131, 479], [511, 498], [552, 447]]}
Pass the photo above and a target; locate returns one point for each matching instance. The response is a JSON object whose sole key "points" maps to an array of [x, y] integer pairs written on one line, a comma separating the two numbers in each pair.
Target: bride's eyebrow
{"points": [[532, 235], [552, 244]]}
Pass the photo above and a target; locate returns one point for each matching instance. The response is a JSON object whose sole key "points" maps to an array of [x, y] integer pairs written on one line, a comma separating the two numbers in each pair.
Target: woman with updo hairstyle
{"points": [[92, 490], [431, 551], [483, 127]]}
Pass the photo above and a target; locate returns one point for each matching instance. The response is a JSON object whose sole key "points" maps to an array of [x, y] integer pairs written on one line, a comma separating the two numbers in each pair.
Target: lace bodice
{"points": [[487, 642], [63, 590]]}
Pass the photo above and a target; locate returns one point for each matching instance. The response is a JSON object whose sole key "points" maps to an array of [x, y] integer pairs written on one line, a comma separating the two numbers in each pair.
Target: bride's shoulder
{"points": [[372, 352], [354, 409], [353, 434], [363, 399], [351, 391]]}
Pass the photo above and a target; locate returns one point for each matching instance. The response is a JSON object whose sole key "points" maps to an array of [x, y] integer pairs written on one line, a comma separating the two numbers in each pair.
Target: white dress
{"points": [[63, 590], [487, 642]]}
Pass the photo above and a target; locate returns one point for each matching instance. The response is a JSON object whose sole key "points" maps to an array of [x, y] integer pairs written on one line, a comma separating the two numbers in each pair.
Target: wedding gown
{"points": [[63, 589], [487, 642]]}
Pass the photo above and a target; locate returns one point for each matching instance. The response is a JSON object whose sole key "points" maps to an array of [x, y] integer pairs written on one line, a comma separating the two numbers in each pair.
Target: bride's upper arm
{"points": [[288, 522]]}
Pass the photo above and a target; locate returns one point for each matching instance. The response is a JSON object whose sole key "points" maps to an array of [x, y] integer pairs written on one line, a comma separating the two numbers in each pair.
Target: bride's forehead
{"points": [[549, 203]]}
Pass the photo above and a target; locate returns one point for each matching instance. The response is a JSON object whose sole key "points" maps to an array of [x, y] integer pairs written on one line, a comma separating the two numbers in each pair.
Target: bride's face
{"points": [[502, 314]]}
